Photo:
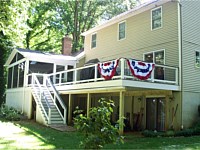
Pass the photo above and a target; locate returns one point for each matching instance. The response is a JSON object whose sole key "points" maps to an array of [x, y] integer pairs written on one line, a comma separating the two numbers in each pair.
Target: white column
{"points": [[88, 103], [121, 112]]}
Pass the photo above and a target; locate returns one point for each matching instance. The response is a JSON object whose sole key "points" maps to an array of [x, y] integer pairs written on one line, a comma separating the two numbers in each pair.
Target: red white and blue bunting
{"points": [[140, 70], [108, 69]]}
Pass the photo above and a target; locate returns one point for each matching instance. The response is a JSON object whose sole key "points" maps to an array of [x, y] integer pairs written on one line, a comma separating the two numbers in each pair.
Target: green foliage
{"points": [[195, 130], [45, 31], [149, 133], [9, 114], [97, 128], [5, 47]]}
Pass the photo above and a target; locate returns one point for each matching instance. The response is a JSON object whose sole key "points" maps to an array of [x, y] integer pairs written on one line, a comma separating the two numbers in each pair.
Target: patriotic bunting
{"points": [[140, 69], [108, 69]]}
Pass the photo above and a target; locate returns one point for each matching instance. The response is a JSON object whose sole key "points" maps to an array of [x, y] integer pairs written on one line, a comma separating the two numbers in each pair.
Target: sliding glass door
{"points": [[155, 114]]}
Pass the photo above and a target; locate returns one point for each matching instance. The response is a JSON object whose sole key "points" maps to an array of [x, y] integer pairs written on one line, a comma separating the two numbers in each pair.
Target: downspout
{"points": [[180, 57]]}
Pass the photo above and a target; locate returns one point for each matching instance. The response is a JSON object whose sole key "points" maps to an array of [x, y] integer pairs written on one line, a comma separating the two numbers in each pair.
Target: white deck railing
{"points": [[35, 85], [161, 74], [42, 80]]}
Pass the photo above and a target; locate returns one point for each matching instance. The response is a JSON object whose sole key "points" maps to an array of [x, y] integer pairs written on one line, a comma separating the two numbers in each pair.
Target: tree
{"points": [[116, 7], [97, 128], [45, 29], [12, 28], [79, 16]]}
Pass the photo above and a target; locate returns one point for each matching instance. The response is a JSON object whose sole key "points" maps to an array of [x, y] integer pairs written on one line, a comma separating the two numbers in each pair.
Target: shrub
{"points": [[97, 128], [169, 133], [9, 114], [186, 132], [149, 133]]}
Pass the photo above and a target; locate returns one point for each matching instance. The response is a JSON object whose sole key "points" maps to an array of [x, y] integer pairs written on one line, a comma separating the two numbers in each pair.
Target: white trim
{"points": [[26, 72], [124, 21], [11, 86], [160, 7], [10, 58], [135, 11], [16, 63], [80, 56], [95, 41]]}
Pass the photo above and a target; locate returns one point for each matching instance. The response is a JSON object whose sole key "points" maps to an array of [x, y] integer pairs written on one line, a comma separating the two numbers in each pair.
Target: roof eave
{"points": [[9, 59], [137, 10]]}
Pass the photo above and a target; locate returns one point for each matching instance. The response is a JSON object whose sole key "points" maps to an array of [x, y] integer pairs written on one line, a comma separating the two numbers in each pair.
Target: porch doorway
{"points": [[155, 114]]}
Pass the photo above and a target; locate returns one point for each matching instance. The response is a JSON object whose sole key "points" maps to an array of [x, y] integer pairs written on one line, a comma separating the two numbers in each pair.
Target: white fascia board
{"points": [[11, 56], [80, 56], [137, 10], [58, 59]]}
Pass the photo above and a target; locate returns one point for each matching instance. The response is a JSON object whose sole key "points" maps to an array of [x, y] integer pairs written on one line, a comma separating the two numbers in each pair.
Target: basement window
{"points": [[197, 59]]}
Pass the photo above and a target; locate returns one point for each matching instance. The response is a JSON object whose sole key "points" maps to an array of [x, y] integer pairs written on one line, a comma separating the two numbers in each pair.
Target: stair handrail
{"points": [[42, 93], [59, 99]]}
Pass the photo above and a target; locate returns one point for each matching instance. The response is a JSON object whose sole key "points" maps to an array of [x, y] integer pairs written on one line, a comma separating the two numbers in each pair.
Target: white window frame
{"points": [[154, 55], [92, 40], [160, 7], [196, 58], [124, 31]]}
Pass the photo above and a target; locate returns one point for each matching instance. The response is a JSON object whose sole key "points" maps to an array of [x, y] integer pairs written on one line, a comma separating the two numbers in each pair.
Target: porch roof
{"points": [[42, 57]]}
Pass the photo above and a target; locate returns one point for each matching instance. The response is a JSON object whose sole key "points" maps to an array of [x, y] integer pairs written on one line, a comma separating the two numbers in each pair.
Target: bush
{"points": [[97, 128], [9, 114], [186, 132], [149, 133], [169, 133]]}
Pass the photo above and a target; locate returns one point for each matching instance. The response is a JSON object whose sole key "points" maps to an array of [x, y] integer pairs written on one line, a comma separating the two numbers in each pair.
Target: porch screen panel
{"points": [[10, 70], [21, 77], [19, 56], [15, 76], [70, 74]]}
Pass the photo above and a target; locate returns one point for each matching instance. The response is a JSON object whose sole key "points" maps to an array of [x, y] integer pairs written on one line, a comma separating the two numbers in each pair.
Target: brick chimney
{"points": [[66, 45]]}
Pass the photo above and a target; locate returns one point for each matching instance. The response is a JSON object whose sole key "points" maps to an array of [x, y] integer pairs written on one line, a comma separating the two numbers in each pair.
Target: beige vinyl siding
{"points": [[191, 42], [139, 38]]}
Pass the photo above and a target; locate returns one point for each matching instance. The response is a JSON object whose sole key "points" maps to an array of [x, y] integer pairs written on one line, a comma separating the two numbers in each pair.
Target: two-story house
{"points": [[147, 60]]}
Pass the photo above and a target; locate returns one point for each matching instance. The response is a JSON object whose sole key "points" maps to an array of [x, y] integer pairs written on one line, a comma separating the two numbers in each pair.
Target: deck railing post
{"points": [[95, 72], [152, 75], [60, 77], [176, 76], [49, 120], [65, 115], [75, 76], [122, 67]]}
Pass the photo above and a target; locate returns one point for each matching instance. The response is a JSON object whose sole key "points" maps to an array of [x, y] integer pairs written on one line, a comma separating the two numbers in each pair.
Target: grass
{"points": [[30, 135]]}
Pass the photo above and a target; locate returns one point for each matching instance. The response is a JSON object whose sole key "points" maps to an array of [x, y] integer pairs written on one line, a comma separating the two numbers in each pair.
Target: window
{"points": [[122, 31], [156, 18], [197, 59], [94, 41], [157, 57]]}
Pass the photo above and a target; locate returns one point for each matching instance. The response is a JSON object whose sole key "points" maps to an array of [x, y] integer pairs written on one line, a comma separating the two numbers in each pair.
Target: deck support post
{"points": [[121, 112], [70, 110], [88, 103]]}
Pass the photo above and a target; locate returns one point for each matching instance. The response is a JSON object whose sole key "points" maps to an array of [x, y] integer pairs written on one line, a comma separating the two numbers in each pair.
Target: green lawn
{"points": [[30, 135]]}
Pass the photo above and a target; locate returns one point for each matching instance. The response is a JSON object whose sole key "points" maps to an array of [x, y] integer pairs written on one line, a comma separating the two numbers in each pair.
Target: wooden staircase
{"points": [[45, 99]]}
